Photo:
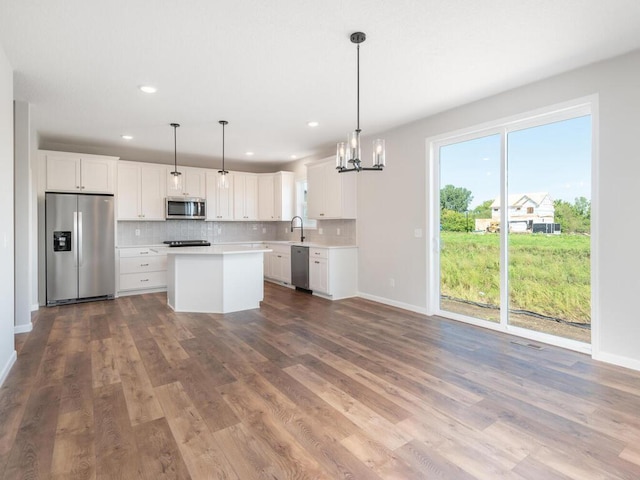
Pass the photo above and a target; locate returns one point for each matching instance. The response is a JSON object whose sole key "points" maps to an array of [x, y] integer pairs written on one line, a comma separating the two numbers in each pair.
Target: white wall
{"points": [[391, 205], [7, 349], [22, 196]]}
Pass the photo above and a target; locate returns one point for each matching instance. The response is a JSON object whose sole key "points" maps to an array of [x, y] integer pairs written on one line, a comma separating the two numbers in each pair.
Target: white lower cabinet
{"points": [[319, 275], [333, 272], [142, 268], [277, 264]]}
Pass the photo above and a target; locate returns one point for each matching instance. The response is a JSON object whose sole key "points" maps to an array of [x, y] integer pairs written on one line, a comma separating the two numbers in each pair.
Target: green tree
{"points": [[574, 218], [452, 221], [455, 198], [483, 210], [582, 206]]}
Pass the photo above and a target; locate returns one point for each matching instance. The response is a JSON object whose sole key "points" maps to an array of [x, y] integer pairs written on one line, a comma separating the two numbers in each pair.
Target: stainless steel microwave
{"points": [[185, 208]]}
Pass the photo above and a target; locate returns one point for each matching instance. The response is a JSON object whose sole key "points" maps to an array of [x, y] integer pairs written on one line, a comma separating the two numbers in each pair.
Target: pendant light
{"points": [[177, 176], [223, 181], [349, 153]]}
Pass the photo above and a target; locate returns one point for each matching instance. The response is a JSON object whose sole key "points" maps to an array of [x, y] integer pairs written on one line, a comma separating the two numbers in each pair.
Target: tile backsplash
{"points": [[334, 232]]}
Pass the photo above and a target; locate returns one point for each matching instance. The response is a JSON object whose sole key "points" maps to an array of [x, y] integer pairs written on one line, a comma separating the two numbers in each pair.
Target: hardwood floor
{"points": [[305, 388]]}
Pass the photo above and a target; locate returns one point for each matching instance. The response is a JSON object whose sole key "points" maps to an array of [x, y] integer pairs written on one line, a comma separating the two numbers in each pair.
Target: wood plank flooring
{"points": [[305, 388]]}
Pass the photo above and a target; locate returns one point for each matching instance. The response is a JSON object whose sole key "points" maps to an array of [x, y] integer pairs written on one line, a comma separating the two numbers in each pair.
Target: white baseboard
{"points": [[7, 367], [35, 307], [618, 360], [26, 328], [393, 303], [129, 293]]}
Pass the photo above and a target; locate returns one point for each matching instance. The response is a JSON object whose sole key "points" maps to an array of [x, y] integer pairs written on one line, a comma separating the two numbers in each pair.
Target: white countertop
{"points": [[305, 244], [256, 244], [216, 250]]}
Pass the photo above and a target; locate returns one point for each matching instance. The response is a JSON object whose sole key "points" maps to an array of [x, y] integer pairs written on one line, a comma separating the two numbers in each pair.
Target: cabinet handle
{"points": [[144, 264], [279, 256], [144, 280], [322, 214], [144, 253], [316, 261]]}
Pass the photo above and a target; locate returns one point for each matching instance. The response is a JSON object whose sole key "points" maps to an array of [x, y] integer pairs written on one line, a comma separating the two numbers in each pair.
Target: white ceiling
{"points": [[269, 67]]}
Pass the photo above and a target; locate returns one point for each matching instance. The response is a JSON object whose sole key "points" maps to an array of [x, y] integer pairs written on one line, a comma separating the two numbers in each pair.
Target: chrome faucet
{"points": [[301, 227]]}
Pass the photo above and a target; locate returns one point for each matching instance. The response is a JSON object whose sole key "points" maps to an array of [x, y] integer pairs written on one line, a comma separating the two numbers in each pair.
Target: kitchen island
{"points": [[215, 279]]}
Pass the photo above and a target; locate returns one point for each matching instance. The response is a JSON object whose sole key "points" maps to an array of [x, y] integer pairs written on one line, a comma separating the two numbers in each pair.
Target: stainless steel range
{"points": [[187, 243]]}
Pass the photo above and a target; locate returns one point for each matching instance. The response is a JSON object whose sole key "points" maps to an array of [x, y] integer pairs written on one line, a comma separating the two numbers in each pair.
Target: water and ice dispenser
{"points": [[61, 241]]}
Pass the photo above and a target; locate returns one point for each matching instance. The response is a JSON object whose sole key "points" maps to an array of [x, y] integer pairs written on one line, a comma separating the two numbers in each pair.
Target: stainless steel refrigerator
{"points": [[80, 247]]}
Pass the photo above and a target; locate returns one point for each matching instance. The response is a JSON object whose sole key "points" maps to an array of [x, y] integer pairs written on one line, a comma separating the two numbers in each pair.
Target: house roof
{"points": [[519, 199]]}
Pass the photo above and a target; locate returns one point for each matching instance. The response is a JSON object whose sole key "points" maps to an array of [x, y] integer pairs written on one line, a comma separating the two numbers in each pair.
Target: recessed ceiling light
{"points": [[126, 137], [313, 123], [249, 154], [293, 157], [148, 88]]}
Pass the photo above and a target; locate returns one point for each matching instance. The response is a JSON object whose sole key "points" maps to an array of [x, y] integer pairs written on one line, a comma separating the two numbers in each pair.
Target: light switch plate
{"points": [[417, 233]]}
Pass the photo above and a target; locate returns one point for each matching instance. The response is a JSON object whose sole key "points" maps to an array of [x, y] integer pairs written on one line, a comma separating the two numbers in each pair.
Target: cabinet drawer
{"points": [[143, 264], [138, 281], [280, 248], [318, 253], [142, 252]]}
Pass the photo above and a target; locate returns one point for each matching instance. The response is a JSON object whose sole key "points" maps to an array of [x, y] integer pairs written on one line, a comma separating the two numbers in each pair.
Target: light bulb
{"points": [[353, 152], [223, 182], [177, 180], [341, 153], [378, 153]]}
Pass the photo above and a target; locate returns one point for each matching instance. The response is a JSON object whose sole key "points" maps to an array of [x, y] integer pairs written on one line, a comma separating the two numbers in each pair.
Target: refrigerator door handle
{"points": [[75, 237], [80, 262]]}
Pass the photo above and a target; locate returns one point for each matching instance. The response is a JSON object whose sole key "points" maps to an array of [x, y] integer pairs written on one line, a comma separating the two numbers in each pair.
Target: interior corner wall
{"points": [[7, 348], [392, 206], [22, 211], [34, 140]]}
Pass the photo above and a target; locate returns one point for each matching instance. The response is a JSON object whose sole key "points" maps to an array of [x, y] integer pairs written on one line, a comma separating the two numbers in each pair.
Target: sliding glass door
{"points": [[469, 263], [514, 224]]}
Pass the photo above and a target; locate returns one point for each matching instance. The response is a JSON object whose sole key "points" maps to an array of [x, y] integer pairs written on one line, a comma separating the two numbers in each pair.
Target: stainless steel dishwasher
{"points": [[300, 267]]}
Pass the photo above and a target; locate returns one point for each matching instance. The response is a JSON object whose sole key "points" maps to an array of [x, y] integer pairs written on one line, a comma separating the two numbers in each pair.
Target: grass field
{"points": [[548, 274]]}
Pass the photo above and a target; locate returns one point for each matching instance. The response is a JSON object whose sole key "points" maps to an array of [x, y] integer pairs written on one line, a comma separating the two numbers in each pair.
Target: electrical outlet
{"points": [[264, 229], [417, 233], [137, 232], [320, 231], [392, 282], [219, 231], [337, 231]]}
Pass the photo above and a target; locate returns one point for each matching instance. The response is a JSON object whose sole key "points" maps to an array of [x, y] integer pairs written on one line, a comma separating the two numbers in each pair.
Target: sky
{"points": [[553, 158]]}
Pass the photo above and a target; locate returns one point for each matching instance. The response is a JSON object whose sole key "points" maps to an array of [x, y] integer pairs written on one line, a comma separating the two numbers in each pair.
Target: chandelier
{"points": [[348, 155]]}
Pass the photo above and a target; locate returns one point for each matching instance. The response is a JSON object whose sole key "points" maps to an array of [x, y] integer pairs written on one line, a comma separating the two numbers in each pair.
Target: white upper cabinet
{"points": [[74, 172], [192, 184], [141, 191], [284, 195], [266, 199], [330, 194], [245, 196], [219, 200], [276, 196]]}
